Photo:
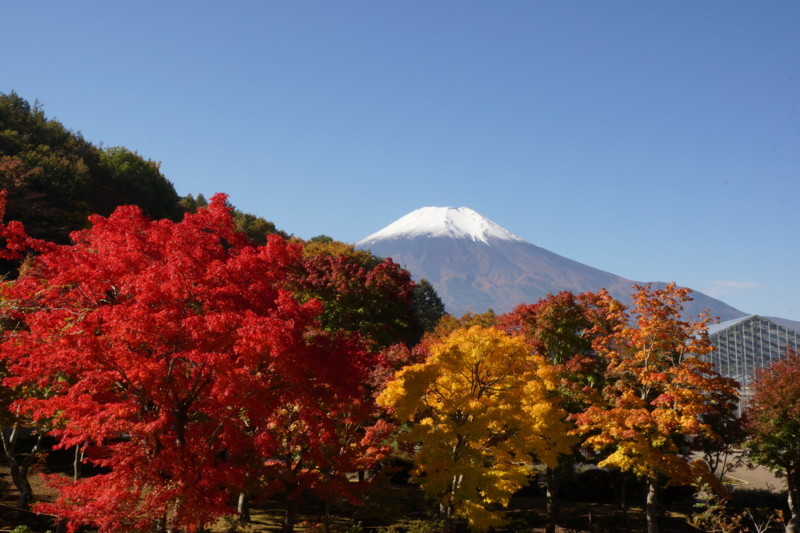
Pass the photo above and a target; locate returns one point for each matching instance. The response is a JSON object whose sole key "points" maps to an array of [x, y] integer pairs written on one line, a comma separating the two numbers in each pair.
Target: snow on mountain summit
{"points": [[475, 264], [458, 223]]}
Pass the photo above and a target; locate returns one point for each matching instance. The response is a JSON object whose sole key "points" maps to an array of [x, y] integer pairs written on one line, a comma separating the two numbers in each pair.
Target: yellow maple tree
{"points": [[481, 410]]}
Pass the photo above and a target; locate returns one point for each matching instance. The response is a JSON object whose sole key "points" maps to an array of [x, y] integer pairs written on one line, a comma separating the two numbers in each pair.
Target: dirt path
{"points": [[759, 478]]}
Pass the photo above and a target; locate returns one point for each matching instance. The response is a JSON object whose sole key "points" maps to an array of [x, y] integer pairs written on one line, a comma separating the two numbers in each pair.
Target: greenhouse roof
{"points": [[781, 322]]}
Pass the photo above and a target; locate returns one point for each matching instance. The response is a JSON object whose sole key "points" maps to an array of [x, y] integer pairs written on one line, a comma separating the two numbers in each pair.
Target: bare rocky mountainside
{"points": [[475, 264]]}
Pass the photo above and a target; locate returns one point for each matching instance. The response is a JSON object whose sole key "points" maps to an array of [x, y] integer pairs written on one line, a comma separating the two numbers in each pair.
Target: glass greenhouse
{"points": [[748, 344]]}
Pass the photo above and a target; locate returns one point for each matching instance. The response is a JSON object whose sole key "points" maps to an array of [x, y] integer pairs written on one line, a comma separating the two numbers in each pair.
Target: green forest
{"points": [[171, 364]]}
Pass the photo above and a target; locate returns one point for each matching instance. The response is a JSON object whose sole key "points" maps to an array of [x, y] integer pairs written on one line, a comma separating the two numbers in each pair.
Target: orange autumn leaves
{"points": [[488, 404], [657, 390]]}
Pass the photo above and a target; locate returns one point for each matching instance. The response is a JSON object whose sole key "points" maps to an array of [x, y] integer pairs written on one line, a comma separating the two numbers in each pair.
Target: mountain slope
{"points": [[475, 264]]}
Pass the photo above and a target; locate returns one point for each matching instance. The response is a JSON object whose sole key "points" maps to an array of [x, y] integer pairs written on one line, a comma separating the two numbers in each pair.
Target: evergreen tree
{"points": [[427, 305]]}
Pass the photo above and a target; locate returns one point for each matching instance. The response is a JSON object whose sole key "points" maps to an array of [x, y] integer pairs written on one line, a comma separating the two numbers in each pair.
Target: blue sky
{"points": [[657, 141]]}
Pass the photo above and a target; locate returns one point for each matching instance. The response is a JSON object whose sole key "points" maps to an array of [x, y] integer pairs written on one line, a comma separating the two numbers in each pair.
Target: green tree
{"points": [[190, 204], [130, 179], [360, 292], [69, 178], [427, 305], [42, 216], [256, 228]]}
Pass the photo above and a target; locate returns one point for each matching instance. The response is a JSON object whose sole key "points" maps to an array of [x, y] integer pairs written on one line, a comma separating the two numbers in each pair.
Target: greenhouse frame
{"points": [[748, 344]]}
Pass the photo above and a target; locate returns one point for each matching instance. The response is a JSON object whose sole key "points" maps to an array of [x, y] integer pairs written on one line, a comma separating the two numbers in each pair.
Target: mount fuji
{"points": [[475, 264]]}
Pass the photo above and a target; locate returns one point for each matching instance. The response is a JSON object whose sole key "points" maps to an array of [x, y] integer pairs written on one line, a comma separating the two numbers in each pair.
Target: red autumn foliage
{"points": [[773, 422], [177, 350]]}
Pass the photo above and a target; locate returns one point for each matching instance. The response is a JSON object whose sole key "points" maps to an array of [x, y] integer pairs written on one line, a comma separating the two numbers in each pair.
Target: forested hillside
{"points": [[55, 178]]}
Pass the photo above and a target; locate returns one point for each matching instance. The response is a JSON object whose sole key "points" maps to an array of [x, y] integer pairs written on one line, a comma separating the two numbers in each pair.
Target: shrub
{"points": [[414, 526]]}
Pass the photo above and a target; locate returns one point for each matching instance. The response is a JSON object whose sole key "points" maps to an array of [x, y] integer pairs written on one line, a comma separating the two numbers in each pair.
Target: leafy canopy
{"points": [[657, 389], [773, 425], [773, 415], [481, 410], [173, 351], [59, 178]]}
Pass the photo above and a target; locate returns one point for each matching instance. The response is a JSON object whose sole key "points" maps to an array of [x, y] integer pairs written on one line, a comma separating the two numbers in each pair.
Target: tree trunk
{"points": [[19, 469], [449, 509], [446, 512], [289, 516], [161, 526], [77, 462], [243, 508], [793, 484], [172, 525], [19, 476], [623, 502], [326, 518], [651, 507], [553, 481]]}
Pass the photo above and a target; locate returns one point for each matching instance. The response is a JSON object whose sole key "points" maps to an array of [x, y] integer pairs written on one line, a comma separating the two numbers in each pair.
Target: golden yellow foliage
{"points": [[481, 408]]}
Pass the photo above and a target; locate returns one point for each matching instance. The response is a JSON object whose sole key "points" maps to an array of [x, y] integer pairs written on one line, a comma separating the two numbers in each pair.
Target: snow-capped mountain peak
{"points": [[458, 223], [475, 264]]}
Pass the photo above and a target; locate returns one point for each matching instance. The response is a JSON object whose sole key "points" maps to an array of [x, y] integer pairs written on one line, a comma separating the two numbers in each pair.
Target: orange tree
{"points": [[480, 406], [773, 426], [657, 393]]}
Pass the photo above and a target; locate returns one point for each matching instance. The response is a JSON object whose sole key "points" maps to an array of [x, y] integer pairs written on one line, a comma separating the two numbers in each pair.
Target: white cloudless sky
{"points": [[657, 141]]}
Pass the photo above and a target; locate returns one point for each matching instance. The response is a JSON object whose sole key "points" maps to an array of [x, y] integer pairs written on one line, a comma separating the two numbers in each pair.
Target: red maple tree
{"points": [[172, 351]]}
